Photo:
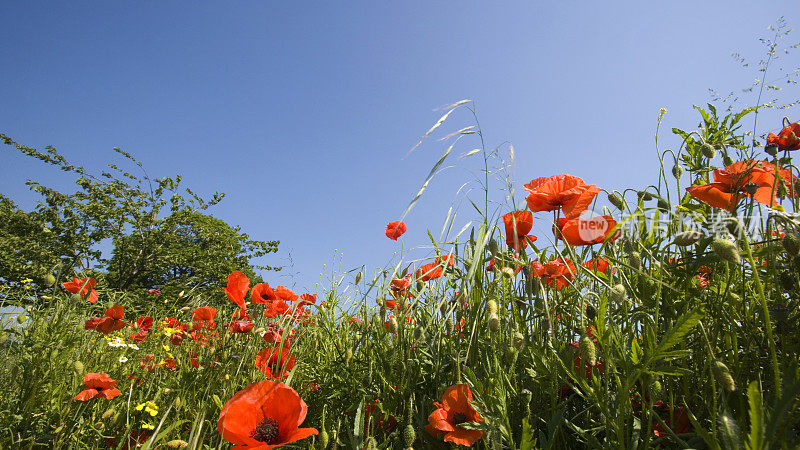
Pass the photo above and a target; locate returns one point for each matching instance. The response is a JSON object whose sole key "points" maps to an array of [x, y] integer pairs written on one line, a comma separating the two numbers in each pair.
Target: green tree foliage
{"points": [[159, 232]]}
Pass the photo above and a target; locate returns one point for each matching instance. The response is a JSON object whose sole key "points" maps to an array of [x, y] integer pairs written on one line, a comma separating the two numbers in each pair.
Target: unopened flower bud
{"points": [[771, 149], [449, 326], [645, 196], [588, 351], [677, 170], [751, 188], [49, 280], [493, 248], [708, 150], [726, 160], [185, 308], [726, 250], [687, 238], [791, 243], [618, 293], [491, 305], [323, 438], [180, 294], [508, 272], [518, 341], [177, 443], [359, 275], [494, 323], [723, 375], [78, 366], [655, 389], [177, 402], [635, 260], [614, 199], [76, 298], [409, 435]]}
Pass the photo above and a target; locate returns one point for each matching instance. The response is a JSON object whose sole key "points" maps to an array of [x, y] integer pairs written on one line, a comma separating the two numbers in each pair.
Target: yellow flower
{"points": [[779, 208], [25, 280], [663, 111], [148, 426], [149, 407]]}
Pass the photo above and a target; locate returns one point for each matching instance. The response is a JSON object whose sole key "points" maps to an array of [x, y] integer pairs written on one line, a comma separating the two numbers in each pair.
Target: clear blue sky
{"points": [[303, 113]]}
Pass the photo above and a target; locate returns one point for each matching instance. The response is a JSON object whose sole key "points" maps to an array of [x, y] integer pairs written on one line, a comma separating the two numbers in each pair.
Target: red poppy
{"points": [[261, 293], [285, 294], [787, 139], [517, 225], [400, 284], [599, 264], [154, 292], [591, 231], [98, 385], [395, 229], [454, 410], [495, 265], [308, 299], [703, 277], [238, 283], [429, 271], [140, 335], [84, 286], [557, 273], [730, 185], [203, 318], [275, 308], [274, 333], [390, 303], [446, 260], [275, 362], [264, 415], [567, 192], [241, 322], [111, 320], [675, 418]]}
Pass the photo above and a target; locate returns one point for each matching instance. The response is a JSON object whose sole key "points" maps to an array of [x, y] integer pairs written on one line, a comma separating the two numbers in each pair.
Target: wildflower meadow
{"points": [[659, 316]]}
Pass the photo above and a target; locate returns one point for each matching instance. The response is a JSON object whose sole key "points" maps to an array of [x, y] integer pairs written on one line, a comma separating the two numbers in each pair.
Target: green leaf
{"points": [[676, 334], [528, 441], [756, 437]]}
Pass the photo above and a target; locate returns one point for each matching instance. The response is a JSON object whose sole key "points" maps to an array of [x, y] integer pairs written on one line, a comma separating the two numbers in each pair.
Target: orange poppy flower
{"points": [[429, 271], [275, 362], [496, 265], [395, 229], [98, 385], [517, 225], [556, 274], [308, 299], [454, 410], [446, 260], [111, 320], [261, 293], [238, 283], [275, 308], [264, 415], [84, 286], [400, 284], [730, 185], [241, 322], [599, 264], [567, 192], [203, 318], [787, 139], [390, 303], [591, 231]]}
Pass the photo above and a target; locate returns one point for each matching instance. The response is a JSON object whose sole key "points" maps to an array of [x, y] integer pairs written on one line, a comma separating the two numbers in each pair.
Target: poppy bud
{"points": [[677, 170], [494, 323], [177, 402], [348, 356], [21, 318], [359, 275], [491, 305], [180, 294], [726, 250], [655, 389], [771, 149], [419, 332], [726, 160], [109, 412], [791, 243], [508, 272], [75, 298], [614, 199], [618, 293], [645, 196], [687, 238], [663, 204], [49, 280], [323, 438], [751, 188], [177, 443], [420, 285], [78, 367], [588, 351], [493, 247], [635, 260], [518, 341], [185, 308], [448, 325], [409, 435], [723, 375], [708, 150]]}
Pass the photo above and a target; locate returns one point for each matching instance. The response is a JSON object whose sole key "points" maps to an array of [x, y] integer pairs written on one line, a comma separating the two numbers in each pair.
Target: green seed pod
{"points": [[449, 326], [726, 160], [420, 285], [708, 150], [78, 366], [663, 205], [588, 350], [677, 170], [109, 412], [723, 375], [791, 243], [491, 305], [726, 250], [359, 275], [771, 149], [76, 298], [614, 199], [618, 293], [21, 318], [518, 340], [49, 280], [494, 323], [177, 443], [419, 333], [687, 238], [323, 439], [409, 435], [655, 389], [635, 260]]}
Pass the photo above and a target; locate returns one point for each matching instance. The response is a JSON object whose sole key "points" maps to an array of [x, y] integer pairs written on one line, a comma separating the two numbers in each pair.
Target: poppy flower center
{"points": [[266, 431], [459, 418]]}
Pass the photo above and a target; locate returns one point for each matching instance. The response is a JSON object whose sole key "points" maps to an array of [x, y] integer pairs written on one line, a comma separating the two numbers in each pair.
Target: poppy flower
{"points": [[111, 320], [264, 415], [446, 260], [154, 292], [599, 264], [495, 265], [142, 325], [454, 410], [275, 308], [390, 303], [578, 231], [241, 322], [517, 225], [261, 293], [429, 271], [675, 418], [730, 185], [395, 229], [203, 318], [567, 192], [787, 139], [398, 285], [238, 283], [274, 333], [285, 294], [98, 385], [308, 299], [84, 286], [275, 362], [556, 274]]}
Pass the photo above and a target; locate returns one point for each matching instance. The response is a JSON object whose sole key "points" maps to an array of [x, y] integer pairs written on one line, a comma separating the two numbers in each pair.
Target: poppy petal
{"points": [[238, 283]]}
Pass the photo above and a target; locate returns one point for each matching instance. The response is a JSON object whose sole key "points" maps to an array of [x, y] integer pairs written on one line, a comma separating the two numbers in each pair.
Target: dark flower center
{"points": [[459, 418], [266, 431]]}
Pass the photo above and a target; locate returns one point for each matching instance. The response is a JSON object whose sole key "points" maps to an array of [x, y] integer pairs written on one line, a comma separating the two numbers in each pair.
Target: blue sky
{"points": [[304, 113]]}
